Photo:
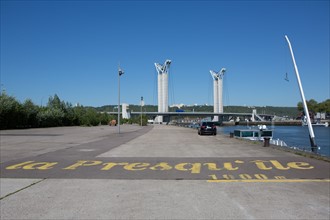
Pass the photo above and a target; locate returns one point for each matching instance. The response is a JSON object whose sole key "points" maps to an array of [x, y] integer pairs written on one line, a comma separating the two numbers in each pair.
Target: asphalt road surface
{"points": [[155, 172]]}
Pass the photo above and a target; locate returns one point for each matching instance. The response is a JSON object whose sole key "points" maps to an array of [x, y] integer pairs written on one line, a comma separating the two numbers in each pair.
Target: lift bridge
{"points": [[164, 116]]}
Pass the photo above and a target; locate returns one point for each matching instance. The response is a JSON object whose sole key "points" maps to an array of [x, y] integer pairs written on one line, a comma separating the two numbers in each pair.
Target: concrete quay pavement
{"points": [[22, 143], [155, 172]]}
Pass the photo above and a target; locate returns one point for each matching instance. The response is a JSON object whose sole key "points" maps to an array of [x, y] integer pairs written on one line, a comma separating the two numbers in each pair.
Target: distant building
{"points": [[177, 105], [125, 111], [320, 116]]}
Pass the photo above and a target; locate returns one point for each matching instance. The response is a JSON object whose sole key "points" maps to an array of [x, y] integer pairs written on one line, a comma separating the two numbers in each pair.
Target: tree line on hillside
{"points": [[291, 112]]}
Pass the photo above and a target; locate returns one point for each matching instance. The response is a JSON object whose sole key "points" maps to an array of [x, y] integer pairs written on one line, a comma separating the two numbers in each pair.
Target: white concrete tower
{"points": [[218, 91], [162, 71], [215, 92]]}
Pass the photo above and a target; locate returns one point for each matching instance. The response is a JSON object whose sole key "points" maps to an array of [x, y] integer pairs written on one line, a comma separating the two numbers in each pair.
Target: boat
{"points": [[325, 124], [258, 134], [317, 123]]}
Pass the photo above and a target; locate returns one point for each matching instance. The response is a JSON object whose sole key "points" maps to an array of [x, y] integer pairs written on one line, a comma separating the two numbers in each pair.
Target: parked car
{"points": [[207, 128]]}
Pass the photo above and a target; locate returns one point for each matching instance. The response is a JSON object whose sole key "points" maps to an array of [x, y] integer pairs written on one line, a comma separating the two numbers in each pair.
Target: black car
{"points": [[207, 128]]}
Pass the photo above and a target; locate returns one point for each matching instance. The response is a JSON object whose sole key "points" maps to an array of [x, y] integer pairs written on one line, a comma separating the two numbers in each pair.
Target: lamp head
{"points": [[120, 72]]}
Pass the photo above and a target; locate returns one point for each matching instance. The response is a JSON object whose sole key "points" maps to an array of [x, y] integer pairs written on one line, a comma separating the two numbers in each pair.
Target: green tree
{"points": [[325, 106], [55, 102], [78, 113], [312, 106], [104, 118], [11, 112], [30, 111], [90, 118], [50, 117], [300, 106]]}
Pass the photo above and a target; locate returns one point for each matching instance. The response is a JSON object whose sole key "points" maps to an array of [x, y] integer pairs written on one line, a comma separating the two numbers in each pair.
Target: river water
{"points": [[294, 136]]}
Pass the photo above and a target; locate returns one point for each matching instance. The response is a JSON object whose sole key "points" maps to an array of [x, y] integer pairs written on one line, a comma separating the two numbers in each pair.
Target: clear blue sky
{"points": [[72, 48]]}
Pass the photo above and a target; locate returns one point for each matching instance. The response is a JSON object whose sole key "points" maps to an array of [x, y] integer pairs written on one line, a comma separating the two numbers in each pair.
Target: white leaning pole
{"points": [[310, 128]]}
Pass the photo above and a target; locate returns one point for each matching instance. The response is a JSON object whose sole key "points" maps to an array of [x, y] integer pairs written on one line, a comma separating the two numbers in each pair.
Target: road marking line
{"points": [[270, 181], [86, 150]]}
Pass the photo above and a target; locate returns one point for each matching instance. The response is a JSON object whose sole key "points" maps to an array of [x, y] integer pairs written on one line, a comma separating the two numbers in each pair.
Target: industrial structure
{"points": [[163, 71], [217, 91], [125, 111]]}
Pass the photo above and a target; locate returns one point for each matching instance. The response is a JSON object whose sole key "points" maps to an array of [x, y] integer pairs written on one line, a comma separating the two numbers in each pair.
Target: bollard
{"points": [[266, 142]]}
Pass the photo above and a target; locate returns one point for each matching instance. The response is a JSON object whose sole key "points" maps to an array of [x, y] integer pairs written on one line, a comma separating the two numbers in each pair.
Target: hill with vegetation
{"points": [[290, 112], [286, 112]]}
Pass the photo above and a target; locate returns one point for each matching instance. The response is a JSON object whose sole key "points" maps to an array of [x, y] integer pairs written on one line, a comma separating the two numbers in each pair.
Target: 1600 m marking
{"points": [[258, 178]]}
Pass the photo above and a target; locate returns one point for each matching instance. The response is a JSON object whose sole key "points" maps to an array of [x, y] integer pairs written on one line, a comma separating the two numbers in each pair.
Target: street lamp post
{"points": [[120, 72], [142, 104]]}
